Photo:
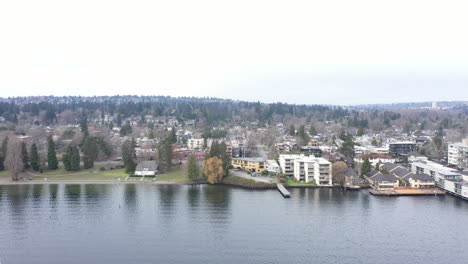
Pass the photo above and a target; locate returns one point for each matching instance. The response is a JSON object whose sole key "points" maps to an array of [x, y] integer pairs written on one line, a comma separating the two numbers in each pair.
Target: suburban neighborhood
{"points": [[145, 139]]}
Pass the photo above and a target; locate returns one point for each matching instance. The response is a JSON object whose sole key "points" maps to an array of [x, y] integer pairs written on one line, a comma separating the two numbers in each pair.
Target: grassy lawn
{"points": [[82, 175], [85, 175], [235, 180], [291, 182], [94, 174], [61, 170], [174, 175], [4, 174]]}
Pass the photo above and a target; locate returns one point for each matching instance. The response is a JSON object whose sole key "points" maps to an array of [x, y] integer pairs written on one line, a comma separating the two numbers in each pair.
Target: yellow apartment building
{"points": [[249, 164]]}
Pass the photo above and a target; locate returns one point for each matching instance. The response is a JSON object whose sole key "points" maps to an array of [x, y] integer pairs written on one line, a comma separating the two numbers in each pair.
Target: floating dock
{"points": [[406, 192], [283, 190]]}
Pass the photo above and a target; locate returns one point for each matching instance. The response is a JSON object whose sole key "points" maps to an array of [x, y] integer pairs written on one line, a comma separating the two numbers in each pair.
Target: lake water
{"points": [[219, 224]]}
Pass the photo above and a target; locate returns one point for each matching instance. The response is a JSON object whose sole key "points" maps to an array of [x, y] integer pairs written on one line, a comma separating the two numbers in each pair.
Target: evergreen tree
{"points": [[4, 147], [129, 156], [84, 124], [24, 155], [90, 150], [2, 162], [34, 159], [365, 168], [52, 162], [172, 136], [193, 169], [151, 134], [67, 157], [312, 131], [75, 160], [303, 135], [360, 132], [220, 150], [292, 130], [347, 148], [165, 155], [378, 164], [214, 149], [125, 130], [119, 120]]}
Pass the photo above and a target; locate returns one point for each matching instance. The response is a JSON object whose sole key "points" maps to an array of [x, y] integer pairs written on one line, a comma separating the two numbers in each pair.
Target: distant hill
{"points": [[413, 105]]}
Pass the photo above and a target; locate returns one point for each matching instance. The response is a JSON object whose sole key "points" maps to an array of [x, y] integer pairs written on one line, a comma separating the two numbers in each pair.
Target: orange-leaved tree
{"points": [[213, 170]]}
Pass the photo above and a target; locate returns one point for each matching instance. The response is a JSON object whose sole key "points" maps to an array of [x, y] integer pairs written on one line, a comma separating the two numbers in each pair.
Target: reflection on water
{"points": [[125, 223], [130, 199], [73, 192]]}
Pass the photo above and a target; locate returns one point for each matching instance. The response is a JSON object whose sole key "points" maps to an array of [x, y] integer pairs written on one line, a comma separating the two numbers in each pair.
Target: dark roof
{"points": [[372, 156], [379, 177], [390, 166], [400, 171], [372, 173], [419, 177], [350, 172], [150, 165]]}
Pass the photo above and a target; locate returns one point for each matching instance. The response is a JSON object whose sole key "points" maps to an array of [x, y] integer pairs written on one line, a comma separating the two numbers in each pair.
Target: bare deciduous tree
{"points": [[338, 172], [14, 160]]}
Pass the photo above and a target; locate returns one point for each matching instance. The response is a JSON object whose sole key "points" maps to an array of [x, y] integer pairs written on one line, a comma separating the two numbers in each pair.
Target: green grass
{"points": [[85, 176], [174, 175], [82, 175], [61, 170], [236, 180], [4, 174], [94, 174], [291, 182]]}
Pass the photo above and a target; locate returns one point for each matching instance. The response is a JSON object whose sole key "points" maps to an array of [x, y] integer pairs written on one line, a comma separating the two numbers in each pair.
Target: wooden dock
{"points": [[406, 192], [283, 190]]}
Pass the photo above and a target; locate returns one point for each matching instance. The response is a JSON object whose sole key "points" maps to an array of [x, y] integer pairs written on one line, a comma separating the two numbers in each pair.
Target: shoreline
{"points": [[91, 182], [249, 187]]}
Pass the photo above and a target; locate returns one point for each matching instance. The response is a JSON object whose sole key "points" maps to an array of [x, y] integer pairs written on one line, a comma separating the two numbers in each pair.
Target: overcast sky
{"points": [[312, 52]]}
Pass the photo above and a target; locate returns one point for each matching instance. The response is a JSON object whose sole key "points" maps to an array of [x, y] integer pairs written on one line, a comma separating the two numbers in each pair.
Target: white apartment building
{"points": [[458, 154], [195, 143], [306, 168], [445, 178]]}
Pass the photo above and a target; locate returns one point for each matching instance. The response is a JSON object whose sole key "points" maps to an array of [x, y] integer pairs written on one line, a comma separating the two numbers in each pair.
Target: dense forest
{"points": [[211, 110]]}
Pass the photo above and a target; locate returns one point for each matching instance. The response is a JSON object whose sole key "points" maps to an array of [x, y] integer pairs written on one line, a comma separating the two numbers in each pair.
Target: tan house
{"points": [[419, 180], [383, 181]]}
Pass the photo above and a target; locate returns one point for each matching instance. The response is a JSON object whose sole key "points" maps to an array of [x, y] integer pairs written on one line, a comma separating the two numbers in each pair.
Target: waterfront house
{"points": [[146, 168], [415, 180], [382, 181], [273, 167], [419, 180], [351, 179]]}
